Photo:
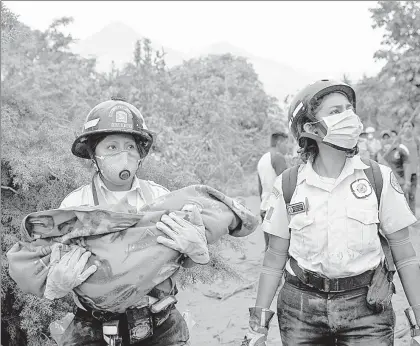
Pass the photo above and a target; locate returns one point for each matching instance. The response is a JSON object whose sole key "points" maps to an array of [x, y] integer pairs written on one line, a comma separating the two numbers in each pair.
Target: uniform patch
{"points": [[296, 208], [394, 183], [121, 117], [361, 188]]}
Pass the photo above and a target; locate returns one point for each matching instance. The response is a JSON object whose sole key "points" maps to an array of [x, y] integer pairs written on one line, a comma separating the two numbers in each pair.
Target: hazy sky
{"points": [[333, 37]]}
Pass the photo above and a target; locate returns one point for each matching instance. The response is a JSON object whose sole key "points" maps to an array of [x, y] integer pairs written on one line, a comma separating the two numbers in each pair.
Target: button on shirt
{"points": [[337, 234], [267, 176]]}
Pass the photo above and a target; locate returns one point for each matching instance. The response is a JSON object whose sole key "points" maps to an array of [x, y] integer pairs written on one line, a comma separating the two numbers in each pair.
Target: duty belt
{"points": [[324, 284]]}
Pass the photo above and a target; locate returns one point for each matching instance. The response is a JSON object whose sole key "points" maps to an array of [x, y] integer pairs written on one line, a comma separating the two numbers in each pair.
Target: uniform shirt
{"points": [[267, 174], [413, 146], [396, 159], [337, 234], [136, 197]]}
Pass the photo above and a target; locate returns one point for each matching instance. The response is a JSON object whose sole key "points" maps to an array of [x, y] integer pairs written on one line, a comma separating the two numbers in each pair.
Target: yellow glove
{"points": [[67, 272], [187, 237]]}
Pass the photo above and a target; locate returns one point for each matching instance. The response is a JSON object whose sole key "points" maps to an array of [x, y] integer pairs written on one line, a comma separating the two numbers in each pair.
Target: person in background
{"points": [[337, 287], [363, 146], [412, 143], [373, 144], [269, 167], [397, 158], [394, 134]]}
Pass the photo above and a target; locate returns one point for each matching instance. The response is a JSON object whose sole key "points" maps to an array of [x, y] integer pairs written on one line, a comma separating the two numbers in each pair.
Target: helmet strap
{"points": [[93, 158], [320, 140]]}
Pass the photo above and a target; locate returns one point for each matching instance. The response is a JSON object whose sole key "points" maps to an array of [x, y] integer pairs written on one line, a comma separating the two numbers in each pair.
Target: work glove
{"points": [[187, 235], [67, 272], [414, 325], [259, 323]]}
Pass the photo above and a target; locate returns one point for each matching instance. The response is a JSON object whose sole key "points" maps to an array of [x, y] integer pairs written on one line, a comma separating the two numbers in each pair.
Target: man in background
{"points": [[412, 142], [373, 144], [397, 157], [269, 167], [394, 134], [363, 146]]}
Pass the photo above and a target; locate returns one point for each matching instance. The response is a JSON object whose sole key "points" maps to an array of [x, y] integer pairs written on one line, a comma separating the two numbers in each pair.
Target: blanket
{"points": [[123, 245]]}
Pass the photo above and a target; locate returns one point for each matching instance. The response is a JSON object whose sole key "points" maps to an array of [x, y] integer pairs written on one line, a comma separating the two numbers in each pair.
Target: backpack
{"points": [[373, 174]]}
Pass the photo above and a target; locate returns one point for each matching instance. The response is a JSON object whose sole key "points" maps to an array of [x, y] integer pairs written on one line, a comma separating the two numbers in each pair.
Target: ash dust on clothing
{"points": [[337, 234], [309, 317], [173, 332]]}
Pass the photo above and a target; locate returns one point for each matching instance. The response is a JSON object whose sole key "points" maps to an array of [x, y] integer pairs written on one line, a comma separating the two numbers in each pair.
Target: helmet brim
{"points": [[80, 149]]}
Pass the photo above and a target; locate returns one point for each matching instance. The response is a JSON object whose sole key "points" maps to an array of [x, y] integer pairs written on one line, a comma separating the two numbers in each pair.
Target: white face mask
{"points": [[343, 129], [118, 168]]}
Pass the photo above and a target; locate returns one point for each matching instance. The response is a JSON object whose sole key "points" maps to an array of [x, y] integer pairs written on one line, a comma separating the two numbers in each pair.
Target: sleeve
{"points": [[279, 163], [394, 212], [259, 186], [276, 221], [29, 265]]}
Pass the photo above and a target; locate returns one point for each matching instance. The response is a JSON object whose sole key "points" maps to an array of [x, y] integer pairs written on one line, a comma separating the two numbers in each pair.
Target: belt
{"points": [[325, 284]]}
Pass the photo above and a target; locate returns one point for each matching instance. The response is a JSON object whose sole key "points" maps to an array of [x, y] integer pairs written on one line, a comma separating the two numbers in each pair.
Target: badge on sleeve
{"points": [[296, 208], [394, 183], [361, 188]]}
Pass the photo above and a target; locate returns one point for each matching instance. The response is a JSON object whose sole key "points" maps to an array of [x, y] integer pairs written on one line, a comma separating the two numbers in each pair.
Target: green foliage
{"points": [[211, 116], [386, 99]]}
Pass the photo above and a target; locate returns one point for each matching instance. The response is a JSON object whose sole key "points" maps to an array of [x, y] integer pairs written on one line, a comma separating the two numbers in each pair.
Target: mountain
{"points": [[115, 42], [279, 79]]}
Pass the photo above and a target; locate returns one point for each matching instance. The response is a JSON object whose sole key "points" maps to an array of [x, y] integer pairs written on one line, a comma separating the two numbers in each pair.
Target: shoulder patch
{"points": [[394, 183]]}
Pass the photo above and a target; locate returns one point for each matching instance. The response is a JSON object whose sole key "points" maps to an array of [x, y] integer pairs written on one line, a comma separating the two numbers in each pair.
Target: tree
{"points": [[393, 95], [211, 115]]}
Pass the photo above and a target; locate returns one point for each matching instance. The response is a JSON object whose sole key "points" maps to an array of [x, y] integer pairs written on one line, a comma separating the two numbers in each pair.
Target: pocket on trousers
{"points": [[140, 324]]}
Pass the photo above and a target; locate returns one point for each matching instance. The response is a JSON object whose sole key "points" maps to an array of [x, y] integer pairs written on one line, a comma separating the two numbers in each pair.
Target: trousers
{"points": [[173, 332], [308, 316]]}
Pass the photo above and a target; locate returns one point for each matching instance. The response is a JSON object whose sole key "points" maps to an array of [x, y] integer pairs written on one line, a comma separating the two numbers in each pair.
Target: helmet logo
{"points": [[121, 117]]}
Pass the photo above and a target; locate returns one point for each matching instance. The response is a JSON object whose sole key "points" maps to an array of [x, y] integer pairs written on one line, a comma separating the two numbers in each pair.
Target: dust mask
{"points": [[118, 168], [343, 129]]}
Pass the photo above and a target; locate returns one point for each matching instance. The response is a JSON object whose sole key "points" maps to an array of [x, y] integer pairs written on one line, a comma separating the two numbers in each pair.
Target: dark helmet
{"points": [[300, 104], [110, 117]]}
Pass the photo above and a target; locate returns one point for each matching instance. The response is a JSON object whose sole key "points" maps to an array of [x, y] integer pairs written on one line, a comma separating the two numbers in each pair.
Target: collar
{"points": [[307, 172], [135, 187], [101, 185]]}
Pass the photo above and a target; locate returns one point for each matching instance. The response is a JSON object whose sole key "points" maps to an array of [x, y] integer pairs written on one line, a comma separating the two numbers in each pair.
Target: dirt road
{"points": [[225, 322]]}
